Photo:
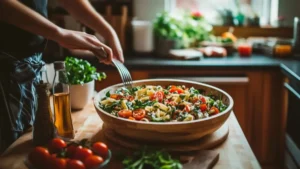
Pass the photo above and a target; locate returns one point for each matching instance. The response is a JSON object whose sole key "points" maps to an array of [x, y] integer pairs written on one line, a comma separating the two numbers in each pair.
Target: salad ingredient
{"points": [[138, 114], [162, 104]]}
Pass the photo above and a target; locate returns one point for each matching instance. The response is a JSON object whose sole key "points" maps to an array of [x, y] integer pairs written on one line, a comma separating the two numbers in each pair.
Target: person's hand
{"points": [[114, 43], [83, 41]]}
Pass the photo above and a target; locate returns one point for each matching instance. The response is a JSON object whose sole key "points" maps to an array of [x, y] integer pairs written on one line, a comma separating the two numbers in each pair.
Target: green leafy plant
{"points": [[190, 28], [80, 71], [151, 159]]}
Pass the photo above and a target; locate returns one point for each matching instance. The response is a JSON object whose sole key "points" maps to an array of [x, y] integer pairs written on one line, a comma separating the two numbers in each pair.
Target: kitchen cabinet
{"points": [[257, 102]]}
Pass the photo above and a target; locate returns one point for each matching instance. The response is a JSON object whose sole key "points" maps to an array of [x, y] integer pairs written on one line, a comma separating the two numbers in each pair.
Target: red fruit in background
{"points": [[56, 163], [93, 161], [101, 149], [75, 164], [56, 145], [71, 150], [82, 153], [39, 157]]}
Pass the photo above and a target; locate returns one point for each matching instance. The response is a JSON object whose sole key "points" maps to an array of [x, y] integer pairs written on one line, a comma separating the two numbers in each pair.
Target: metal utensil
{"points": [[123, 71]]}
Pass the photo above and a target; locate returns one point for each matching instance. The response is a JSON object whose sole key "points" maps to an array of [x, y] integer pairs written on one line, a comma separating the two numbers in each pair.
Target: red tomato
{"points": [[187, 108], [101, 149], [75, 164], [57, 163], [213, 110], [203, 99], [175, 89], [116, 96], [82, 153], [129, 97], [93, 161], [125, 113], [138, 114], [56, 145], [172, 103], [71, 150], [131, 118], [203, 107], [38, 157], [159, 96]]}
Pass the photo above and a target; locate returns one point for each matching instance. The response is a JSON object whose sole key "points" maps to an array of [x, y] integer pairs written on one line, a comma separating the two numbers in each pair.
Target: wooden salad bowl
{"points": [[167, 132]]}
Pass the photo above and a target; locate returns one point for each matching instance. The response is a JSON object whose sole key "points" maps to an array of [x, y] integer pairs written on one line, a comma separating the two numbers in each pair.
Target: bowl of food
{"points": [[163, 110], [59, 154]]}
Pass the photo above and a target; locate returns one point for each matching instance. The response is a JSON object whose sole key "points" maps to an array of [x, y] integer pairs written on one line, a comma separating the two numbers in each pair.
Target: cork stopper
{"points": [[59, 65]]}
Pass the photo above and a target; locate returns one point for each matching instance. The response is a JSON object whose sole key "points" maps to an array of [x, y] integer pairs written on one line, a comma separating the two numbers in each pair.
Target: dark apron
{"points": [[18, 97]]}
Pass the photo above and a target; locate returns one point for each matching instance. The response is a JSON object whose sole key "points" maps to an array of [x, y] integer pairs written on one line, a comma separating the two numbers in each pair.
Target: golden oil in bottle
{"points": [[63, 119], [61, 103]]}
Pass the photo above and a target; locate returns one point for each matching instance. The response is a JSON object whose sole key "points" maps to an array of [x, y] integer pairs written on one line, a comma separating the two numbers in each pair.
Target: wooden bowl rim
{"points": [[103, 91]]}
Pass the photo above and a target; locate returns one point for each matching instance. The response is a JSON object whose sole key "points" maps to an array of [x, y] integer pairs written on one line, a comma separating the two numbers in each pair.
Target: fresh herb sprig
{"points": [[151, 159]]}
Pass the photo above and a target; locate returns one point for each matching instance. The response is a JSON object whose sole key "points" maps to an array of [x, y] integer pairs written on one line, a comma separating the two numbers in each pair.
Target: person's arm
{"points": [[15, 13], [86, 14]]}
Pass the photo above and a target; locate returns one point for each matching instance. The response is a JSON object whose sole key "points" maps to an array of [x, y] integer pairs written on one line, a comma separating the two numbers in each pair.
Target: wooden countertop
{"points": [[235, 152]]}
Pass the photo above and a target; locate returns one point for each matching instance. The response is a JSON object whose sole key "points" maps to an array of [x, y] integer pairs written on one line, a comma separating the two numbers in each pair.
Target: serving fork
{"points": [[123, 71]]}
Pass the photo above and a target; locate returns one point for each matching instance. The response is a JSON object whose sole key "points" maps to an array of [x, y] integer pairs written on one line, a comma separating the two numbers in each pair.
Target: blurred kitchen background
{"points": [[249, 48]]}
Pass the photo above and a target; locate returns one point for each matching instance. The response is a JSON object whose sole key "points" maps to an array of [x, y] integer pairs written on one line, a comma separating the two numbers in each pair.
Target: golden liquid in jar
{"points": [[63, 119]]}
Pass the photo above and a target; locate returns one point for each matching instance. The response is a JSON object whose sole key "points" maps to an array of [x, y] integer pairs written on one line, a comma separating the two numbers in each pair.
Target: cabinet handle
{"points": [[292, 90]]}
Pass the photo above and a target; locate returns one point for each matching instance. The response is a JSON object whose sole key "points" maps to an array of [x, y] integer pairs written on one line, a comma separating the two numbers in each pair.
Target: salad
{"points": [[161, 104]]}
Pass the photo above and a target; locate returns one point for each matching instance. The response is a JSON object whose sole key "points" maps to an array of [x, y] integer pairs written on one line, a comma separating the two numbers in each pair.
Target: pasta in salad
{"points": [[161, 104]]}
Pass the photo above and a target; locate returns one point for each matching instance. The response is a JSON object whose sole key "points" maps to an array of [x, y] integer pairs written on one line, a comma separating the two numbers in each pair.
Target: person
{"points": [[24, 32]]}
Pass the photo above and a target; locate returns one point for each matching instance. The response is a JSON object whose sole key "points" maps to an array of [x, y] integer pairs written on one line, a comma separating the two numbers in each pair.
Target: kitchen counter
{"points": [[235, 152], [290, 67]]}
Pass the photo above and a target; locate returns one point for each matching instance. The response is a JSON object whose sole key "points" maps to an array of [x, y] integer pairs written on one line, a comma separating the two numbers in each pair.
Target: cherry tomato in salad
{"points": [[116, 96], [93, 161], [203, 107], [131, 118], [213, 110], [101, 149], [75, 164], [125, 113], [176, 89], [38, 157], [56, 145], [187, 108], [159, 96], [138, 114], [82, 153], [203, 100]]}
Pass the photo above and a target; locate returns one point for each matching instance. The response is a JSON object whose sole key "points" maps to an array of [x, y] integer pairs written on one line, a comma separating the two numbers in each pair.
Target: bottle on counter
{"points": [[43, 127], [61, 102]]}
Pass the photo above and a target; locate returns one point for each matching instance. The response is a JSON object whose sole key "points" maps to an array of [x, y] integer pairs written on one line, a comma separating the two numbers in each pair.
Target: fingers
{"points": [[103, 56], [119, 54]]}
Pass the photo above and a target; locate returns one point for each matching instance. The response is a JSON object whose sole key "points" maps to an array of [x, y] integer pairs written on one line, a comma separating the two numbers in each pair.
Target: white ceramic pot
{"points": [[81, 94]]}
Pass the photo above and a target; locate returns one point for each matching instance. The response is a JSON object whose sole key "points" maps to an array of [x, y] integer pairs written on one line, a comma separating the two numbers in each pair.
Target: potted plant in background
{"points": [[81, 75], [167, 33]]}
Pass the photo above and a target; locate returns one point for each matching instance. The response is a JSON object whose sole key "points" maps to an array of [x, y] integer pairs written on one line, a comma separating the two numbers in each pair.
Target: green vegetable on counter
{"points": [[151, 159], [80, 71]]}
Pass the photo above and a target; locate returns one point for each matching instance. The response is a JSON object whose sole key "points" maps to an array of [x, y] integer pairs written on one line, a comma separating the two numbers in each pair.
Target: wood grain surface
{"points": [[234, 153], [210, 141]]}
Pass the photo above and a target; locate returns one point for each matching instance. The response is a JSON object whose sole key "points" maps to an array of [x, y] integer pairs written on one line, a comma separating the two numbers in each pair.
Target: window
{"points": [[215, 10]]}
